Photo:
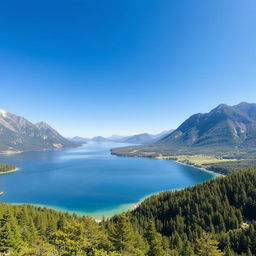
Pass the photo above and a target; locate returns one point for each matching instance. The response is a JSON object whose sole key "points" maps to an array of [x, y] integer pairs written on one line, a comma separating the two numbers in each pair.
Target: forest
{"points": [[216, 217]]}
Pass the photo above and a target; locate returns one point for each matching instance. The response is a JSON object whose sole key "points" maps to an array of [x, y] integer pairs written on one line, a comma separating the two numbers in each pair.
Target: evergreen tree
{"points": [[249, 253], [228, 252], [10, 238], [207, 246], [187, 250], [154, 240], [121, 234]]}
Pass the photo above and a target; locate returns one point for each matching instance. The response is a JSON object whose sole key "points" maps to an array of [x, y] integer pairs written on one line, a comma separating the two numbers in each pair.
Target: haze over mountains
{"points": [[18, 134], [143, 138]]}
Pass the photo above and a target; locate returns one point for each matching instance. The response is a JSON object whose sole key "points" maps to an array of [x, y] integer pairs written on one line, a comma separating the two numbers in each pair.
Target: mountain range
{"points": [[223, 126], [19, 134], [143, 138], [224, 129]]}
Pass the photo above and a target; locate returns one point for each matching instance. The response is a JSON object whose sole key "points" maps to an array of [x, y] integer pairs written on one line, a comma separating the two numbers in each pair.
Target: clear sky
{"points": [[102, 67]]}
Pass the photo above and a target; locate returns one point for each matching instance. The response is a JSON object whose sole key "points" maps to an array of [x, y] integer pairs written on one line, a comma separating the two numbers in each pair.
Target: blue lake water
{"points": [[89, 180]]}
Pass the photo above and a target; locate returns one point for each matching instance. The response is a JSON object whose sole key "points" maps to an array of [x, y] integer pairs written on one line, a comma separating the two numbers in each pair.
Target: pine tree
{"points": [[121, 234], [207, 246], [249, 253], [10, 238], [40, 248], [187, 250], [228, 252], [154, 240]]}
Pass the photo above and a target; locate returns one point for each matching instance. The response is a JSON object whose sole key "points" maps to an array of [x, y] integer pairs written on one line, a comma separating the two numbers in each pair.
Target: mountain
{"points": [[116, 138], [143, 138], [18, 134], [78, 139], [99, 139], [226, 131], [223, 126]]}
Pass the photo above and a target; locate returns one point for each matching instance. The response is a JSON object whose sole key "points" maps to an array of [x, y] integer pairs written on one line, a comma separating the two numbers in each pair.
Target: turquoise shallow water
{"points": [[89, 180]]}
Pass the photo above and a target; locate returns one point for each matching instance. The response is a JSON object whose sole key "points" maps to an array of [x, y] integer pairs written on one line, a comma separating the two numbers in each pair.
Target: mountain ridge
{"points": [[19, 134], [224, 125], [225, 131], [141, 138]]}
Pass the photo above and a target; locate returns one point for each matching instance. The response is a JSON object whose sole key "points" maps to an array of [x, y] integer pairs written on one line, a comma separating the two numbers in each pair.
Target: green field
{"points": [[200, 160]]}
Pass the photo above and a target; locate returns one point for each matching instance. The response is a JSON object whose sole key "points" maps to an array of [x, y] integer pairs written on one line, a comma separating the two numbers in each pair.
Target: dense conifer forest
{"points": [[216, 217]]}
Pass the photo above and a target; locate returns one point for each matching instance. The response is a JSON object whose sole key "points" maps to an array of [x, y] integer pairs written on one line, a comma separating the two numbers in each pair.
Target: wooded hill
{"points": [[216, 217]]}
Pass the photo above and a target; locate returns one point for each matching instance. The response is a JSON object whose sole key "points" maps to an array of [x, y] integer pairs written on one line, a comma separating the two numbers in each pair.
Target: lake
{"points": [[89, 180]]}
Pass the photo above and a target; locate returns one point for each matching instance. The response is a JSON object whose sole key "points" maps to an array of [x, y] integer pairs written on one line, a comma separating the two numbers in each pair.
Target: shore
{"points": [[2, 173], [108, 213], [217, 174], [172, 159], [13, 152], [14, 170], [97, 215], [10, 152], [115, 209]]}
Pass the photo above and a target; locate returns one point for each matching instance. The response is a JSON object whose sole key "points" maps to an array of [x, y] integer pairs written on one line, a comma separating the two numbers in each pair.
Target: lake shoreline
{"points": [[11, 152], [98, 216], [109, 213], [133, 206], [13, 170], [174, 160], [201, 168], [97, 152]]}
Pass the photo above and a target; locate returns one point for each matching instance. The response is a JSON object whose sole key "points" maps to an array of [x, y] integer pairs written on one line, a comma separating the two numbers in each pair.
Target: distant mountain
{"points": [[223, 126], [143, 138], [18, 134], [116, 138], [79, 139], [99, 139]]}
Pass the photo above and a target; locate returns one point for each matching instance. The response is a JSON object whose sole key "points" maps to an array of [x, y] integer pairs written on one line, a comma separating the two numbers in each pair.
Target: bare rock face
{"points": [[18, 134]]}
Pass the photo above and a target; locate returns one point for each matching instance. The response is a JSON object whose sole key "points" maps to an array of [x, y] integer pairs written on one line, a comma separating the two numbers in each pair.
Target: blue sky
{"points": [[97, 67]]}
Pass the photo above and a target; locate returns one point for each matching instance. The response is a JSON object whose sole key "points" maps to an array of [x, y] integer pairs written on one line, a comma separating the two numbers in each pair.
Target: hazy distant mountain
{"points": [[79, 139], [116, 138], [223, 126], [99, 139], [18, 134], [143, 138]]}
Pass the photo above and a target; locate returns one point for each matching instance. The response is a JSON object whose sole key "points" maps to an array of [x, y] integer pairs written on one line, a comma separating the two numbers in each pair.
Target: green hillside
{"points": [[216, 217]]}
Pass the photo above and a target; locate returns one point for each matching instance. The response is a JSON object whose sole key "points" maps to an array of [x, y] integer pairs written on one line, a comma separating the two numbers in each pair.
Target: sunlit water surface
{"points": [[89, 180]]}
